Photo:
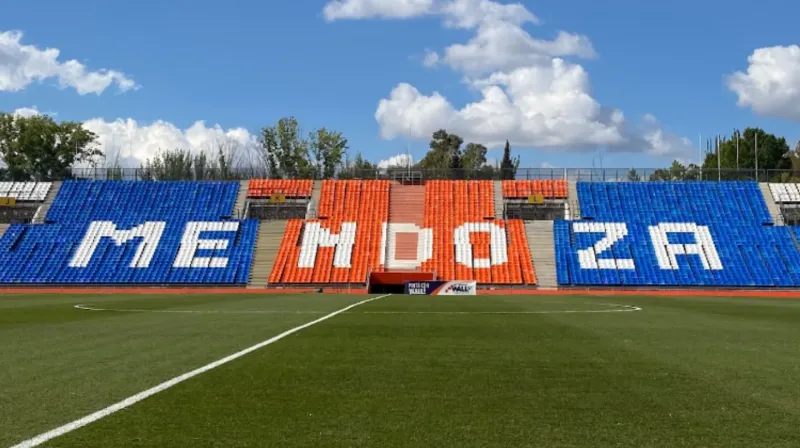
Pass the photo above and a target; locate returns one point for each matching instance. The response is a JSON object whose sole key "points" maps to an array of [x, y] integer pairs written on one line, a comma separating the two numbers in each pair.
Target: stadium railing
{"points": [[419, 175]]}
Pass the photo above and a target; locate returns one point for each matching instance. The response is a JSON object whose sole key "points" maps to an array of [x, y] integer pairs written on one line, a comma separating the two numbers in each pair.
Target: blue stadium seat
{"points": [[675, 234], [112, 232]]}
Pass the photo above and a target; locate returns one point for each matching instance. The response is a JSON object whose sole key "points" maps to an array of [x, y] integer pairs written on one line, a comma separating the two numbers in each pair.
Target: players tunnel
{"points": [[394, 282]]}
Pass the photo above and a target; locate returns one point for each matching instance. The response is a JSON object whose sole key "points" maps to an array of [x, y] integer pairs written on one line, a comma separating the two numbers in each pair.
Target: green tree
{"points": [[38, 148], [225, 166], [508, 166], [228, 157], [359, 168], [474, 157], [677, 171], [203, 167], [773, 154], [328, 149], [284, 151], [444, 155], [175, 164], [794, 162], [633, 176]]}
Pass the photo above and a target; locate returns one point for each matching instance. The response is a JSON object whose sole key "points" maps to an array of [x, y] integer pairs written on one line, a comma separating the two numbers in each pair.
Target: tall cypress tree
{"points": [[508, 167]]}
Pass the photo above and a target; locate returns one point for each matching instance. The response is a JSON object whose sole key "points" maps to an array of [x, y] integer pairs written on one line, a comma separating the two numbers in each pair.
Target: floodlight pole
{"points": [[700, 154], [756, 156]]}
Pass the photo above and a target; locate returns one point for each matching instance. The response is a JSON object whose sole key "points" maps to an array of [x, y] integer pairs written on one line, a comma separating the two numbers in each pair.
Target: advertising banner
{"points": [[438, 288]]}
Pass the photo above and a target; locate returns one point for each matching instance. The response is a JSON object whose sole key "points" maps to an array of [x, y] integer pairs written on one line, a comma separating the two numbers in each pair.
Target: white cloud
{"points": [[471, 13], [21, 65], [506, 46], [409, 113], [431, 58], [535, 106], [530, 93], [27, 112], [662, 142], [546, 165], [32, 111], [361, 9], [130, 143], [771, 85], [400, 160]]}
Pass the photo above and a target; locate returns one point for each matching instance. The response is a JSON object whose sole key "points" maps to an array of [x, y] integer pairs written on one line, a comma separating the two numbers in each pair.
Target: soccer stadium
{"points": [[399, 223], [399, 312]]}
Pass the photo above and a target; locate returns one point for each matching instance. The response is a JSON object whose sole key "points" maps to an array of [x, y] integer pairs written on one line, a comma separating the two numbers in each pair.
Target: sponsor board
{"points": [[438, 288]]}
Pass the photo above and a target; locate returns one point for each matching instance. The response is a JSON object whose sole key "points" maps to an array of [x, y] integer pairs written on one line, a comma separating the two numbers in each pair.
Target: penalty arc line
{"points": [[130, 401]]}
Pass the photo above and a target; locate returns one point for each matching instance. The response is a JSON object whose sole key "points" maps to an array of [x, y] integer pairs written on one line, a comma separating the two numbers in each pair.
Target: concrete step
{"points": [[313, 206], [773, 208], [543, 252], [499, 204], [48, 201], [3, 228], [268, 243], [241, 200], [572, 200], [406, 206]]}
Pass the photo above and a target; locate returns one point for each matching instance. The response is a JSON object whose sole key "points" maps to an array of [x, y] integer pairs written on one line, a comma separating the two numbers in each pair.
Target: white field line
{"points": [[616, 309], [130, 401], [619, 309]]}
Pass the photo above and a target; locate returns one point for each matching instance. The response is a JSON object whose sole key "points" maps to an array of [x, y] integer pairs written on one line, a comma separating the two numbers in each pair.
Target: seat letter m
{"points": [[150, 232]]}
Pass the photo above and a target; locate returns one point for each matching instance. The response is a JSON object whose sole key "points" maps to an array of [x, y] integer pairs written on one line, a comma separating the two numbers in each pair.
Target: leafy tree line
{"points": [[734, 158], [446, 159], [323, 155], [180, 164], [40, 148]]}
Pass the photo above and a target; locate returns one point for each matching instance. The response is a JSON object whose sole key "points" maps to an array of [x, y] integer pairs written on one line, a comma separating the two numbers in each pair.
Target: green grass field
{"points": [[404, 371]]}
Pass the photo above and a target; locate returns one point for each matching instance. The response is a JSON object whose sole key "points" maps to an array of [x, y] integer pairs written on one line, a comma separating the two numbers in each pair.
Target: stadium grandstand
{"points": [[378, 234], [134, 310]]}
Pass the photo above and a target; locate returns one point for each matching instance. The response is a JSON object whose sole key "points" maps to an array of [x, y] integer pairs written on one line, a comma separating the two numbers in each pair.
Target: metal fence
{"points": [[418, 175]]}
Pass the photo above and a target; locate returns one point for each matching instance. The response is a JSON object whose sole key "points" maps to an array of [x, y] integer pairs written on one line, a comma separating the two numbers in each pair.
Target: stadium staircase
{"points": [[572, 200], [313, 206], [48, 201], [268, 243], [406, 205], [499, 204], [772, 206], [543, 252], [3, 228], [241, 200]]}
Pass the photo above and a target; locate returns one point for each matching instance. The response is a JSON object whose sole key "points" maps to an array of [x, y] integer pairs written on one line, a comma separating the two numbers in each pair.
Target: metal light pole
{"points": [[756, 156]]}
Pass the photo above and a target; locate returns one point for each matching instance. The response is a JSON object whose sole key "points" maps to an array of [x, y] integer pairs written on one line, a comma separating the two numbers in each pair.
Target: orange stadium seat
{"points": [[262, 188], [343, 245], [469, 244], [550, 189], [349, 238]]}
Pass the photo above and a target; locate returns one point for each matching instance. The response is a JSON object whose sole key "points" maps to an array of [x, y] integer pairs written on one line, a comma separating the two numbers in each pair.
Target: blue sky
{"points": [[245, 64]]}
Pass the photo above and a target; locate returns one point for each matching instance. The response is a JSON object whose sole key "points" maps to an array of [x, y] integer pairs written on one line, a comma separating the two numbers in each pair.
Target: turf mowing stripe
{"points": [[616, 309], [621, 309], [91, 418], [92, 308]]}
